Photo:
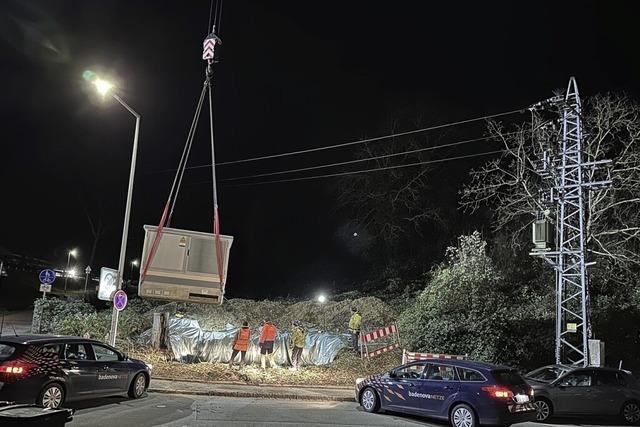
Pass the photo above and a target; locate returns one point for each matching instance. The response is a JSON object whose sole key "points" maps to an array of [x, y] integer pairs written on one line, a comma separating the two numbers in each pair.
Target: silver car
{"points": [[585, 392]]}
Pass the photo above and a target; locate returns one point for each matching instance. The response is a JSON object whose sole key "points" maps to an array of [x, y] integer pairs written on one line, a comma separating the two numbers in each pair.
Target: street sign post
{"points": [[47, 277], [120, 300], [107, 286]]}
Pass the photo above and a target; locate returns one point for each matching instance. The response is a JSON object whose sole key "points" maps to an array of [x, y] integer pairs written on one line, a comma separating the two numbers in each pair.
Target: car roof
{"points": [[40, 339], [467, 364]]}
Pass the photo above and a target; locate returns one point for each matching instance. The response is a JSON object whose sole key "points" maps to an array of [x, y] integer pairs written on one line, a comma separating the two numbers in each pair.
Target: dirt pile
{"points": [[332, 315]]}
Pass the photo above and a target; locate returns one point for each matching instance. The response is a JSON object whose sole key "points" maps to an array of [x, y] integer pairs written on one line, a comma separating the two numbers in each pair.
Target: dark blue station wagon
{"points": [[465, 393], [50, 370]]}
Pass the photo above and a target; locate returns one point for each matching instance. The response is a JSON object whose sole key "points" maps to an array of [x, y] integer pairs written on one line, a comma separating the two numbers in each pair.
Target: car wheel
{"points": [[543, 410], [463, 416], [138, 386], [51, 396], [369, 400], [631, 413]]}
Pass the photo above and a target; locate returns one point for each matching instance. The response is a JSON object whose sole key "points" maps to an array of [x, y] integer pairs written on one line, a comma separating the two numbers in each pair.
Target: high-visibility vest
{"points": [[355, 322], [242, 339], [268, 333]]}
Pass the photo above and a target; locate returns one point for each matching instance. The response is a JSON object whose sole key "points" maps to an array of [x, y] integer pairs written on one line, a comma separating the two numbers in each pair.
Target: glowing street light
{"points": [[322, 298], [104, 87], [71, 253]]}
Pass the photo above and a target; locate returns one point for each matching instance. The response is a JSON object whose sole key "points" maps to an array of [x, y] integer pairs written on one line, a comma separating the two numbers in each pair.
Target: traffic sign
{"points": [[47, 276], [44, 287], [120, 300], [108, 285]]}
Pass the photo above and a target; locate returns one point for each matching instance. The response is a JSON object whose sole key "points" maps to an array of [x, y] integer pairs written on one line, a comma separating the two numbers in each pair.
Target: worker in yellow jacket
{"points": [[355, 325], [298, 339]]}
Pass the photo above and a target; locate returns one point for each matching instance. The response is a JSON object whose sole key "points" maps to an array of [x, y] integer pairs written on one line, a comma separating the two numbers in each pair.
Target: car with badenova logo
{"points": [[465, 393], [50, 370]]}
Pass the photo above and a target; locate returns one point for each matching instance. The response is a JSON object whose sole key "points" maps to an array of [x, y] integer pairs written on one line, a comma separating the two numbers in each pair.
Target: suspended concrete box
{"points": [[184, 267]]}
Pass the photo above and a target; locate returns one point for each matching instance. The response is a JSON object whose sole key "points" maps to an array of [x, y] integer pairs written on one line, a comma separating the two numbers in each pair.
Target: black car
{"points": [[50, 370], [586, 392]]}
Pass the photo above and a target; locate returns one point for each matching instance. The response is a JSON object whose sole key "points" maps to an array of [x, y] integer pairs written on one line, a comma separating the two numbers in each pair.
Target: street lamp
{"points": [[134, 263], [71, 253], [106, 88], [322, 298]]}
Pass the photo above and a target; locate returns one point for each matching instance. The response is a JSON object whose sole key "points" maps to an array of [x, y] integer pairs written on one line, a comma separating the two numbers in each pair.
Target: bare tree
{"points": [[97, 229], [397, 207], [510, 185]]}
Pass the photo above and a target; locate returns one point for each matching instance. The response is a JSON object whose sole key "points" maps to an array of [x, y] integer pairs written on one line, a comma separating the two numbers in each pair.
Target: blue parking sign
{"points": [[47, 276]]}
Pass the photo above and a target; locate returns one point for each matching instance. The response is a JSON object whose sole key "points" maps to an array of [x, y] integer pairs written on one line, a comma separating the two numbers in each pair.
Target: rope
{"points": [[187, 150], [216, 218]]}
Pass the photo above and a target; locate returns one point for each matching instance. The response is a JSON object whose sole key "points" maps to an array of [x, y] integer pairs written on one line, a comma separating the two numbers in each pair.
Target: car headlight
{"points": [[359, 380], [149, 366]]}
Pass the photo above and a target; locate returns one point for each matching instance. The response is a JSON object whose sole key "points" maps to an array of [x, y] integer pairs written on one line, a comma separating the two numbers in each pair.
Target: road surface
{"points": [[20, 320], [180, 410]]}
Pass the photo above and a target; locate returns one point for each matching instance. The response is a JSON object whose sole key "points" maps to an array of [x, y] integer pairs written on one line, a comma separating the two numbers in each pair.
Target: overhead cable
{"points": [[306, 178], [366, 159], [362, 141]]}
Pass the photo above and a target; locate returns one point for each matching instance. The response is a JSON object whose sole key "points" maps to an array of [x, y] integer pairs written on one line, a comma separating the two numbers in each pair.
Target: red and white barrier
{"points": [[383, 350], [382, 332], [408, 356]]}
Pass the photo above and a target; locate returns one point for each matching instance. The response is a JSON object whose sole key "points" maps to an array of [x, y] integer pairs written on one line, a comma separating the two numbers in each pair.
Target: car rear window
{"points": [[508, 377], [6, 350]]}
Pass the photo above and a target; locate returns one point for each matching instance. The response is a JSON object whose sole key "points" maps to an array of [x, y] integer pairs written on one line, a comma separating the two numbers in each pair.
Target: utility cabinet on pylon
{"points": [[182, 267]]}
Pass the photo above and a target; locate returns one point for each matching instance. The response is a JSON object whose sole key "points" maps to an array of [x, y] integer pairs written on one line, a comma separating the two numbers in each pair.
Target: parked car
{"points": [[588, 392], [463, 392], [50, 370], [548, 374]]}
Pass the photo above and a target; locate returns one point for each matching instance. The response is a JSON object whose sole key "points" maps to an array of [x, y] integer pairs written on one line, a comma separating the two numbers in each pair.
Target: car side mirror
{"points": [[392, 374], [123, 356]]}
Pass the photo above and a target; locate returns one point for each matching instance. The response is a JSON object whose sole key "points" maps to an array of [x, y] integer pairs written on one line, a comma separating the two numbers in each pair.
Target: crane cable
{"points": [[167, 213]]}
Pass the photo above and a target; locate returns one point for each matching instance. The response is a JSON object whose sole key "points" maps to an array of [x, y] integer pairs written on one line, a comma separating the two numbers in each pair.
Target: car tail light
{"points": [[498, 392], [14, 369]]}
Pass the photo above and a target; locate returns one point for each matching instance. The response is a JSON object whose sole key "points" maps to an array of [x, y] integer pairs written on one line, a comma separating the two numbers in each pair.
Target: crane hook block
{"points": [[209, 47]]}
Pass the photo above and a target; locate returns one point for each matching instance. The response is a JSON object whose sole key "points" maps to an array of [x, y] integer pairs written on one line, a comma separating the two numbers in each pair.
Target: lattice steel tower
{"points": [[566, 191]]}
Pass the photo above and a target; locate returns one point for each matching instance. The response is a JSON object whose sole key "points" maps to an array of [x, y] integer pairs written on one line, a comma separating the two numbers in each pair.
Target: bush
{"points": [[468, 308]]}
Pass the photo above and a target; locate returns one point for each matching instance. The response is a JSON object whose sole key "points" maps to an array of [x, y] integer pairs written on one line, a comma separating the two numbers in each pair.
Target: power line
{"points": [[306, 178], [349, 162], [361, 141]]}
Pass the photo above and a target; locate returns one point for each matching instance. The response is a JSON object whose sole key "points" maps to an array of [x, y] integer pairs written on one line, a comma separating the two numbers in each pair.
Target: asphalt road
{"points": [[181, 410]]}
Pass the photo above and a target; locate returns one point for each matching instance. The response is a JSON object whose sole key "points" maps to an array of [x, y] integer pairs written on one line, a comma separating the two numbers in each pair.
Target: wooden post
{"points": [[159, 330]]}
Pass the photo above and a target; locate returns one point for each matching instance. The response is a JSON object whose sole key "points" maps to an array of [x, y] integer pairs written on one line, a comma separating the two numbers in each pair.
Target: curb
{"points": [[315, 387], [257, 395]]}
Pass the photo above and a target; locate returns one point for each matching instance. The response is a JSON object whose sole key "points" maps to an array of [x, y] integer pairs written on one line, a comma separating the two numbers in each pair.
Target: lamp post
{"points": [[71, 253], [134, 263], [104, 87], [322, 298]]}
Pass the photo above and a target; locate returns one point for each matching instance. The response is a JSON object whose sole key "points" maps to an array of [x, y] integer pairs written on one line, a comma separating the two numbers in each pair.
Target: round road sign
{"points": [[120, 300], [47, 276]]}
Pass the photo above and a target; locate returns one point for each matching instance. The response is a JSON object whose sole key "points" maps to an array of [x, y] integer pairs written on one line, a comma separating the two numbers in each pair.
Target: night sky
{"points": [[293, 75]]}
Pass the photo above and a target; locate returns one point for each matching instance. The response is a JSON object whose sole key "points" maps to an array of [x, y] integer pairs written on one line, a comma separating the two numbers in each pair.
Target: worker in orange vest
{"points": [[241, 344], [267, 343]]}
